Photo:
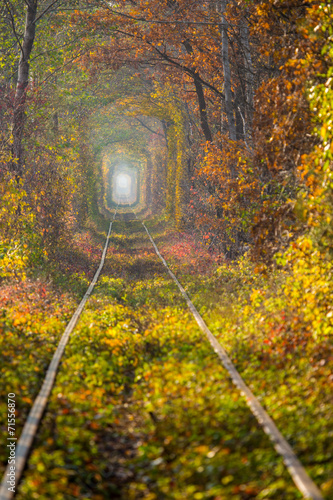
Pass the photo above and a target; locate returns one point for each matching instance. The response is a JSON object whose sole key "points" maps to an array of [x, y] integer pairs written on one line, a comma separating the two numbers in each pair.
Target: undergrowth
{"points": [[142, 407], [278, 329]]}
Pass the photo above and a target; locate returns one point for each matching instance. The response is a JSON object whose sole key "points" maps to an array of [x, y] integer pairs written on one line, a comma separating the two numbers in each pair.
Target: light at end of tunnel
{"points": [[123, 182], [123, 185]]}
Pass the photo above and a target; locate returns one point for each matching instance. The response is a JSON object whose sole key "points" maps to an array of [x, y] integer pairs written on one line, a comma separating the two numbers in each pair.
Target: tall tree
{"points": [[201, 98], [227, 74], [22, 83]]}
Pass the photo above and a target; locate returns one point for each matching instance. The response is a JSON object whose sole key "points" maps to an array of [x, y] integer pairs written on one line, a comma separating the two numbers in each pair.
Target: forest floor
{"points": [[142, 407]]}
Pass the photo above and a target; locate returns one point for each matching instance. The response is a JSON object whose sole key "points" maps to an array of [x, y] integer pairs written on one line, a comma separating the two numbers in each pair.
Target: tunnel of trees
{"points": [[214, 104], [212, 120]]}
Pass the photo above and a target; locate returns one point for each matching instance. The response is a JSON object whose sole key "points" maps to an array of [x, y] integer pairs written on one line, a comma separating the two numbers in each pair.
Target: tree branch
{"points": [[148, 128], [13, 25]]}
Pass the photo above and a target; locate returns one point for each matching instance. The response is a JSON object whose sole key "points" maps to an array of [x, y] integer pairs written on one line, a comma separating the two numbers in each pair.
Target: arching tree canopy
{"points": [[211, 95], [211, 121]]}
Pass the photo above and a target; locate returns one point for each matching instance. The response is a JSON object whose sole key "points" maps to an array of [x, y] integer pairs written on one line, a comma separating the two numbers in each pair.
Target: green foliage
{"points": [[318, 199], [19, 245]]}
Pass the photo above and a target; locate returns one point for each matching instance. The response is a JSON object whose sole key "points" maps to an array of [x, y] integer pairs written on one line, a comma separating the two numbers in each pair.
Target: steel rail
{"points": [[30, 428], [298, 473]]}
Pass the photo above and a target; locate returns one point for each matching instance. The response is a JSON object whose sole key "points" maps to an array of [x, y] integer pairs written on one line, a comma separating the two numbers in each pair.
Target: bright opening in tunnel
{"points": [[124, 185]]}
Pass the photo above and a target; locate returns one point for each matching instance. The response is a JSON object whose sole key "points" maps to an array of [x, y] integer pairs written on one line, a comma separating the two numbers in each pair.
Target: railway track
{"points": [[30, 428], [299, 475]]}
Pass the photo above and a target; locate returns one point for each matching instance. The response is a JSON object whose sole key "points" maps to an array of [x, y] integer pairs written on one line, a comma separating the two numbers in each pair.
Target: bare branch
{"points": [[13, 25], [148, 128]]}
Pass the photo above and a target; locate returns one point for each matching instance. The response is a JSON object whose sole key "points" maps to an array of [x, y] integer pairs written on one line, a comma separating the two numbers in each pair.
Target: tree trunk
{"points": [[202, 108], [227, 74], [249, 76], [149, 179], [21, 86], [201, 98]]}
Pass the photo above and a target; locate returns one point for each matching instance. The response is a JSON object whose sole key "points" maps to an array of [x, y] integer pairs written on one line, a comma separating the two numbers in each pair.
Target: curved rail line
{"points": [[298, 473], [31, 425]]}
